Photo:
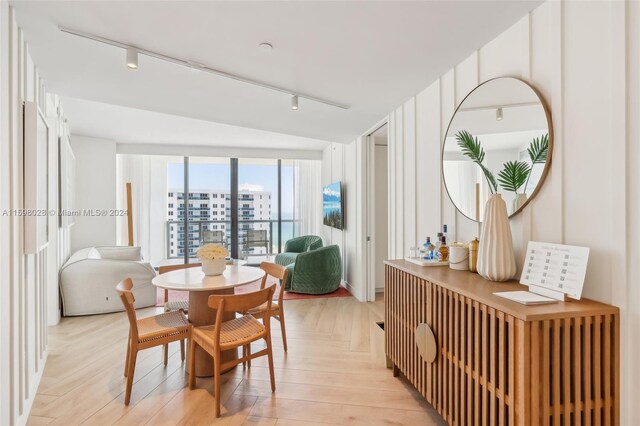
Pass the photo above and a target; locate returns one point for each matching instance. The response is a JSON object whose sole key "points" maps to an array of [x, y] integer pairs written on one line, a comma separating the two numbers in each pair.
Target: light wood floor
{"points": [[333, 373]]}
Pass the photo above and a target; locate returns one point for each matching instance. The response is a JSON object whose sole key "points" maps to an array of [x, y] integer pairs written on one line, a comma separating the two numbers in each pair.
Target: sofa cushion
{"points": [[312, 242], [285, 259], [290, 268], [87, 282], [120, 253], [317, 271]]}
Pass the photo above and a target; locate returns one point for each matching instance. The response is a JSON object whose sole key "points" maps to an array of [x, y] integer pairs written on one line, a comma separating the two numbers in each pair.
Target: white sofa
{"points": [[88, 280]]}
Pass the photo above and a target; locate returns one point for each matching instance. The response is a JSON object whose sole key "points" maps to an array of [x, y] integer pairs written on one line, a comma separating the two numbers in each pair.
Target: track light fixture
{"points": [[132, 62], [294, 102], [132, 58], [499, 116]]}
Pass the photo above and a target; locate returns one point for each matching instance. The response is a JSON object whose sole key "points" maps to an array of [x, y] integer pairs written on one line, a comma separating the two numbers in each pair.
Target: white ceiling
{"points": [[131, 125], [370, 55]]}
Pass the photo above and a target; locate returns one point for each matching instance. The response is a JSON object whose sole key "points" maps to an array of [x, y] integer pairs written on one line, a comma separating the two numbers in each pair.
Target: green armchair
{"points": [[295, 246], [315, 272]]}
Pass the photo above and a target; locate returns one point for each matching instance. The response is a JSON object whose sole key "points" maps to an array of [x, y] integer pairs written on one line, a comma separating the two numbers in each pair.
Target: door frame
{"points": [[369, 203]]}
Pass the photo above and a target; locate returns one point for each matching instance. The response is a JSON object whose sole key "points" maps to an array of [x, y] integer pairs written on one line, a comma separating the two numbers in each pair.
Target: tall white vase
{"points": [[518, 202], [496, 261]]}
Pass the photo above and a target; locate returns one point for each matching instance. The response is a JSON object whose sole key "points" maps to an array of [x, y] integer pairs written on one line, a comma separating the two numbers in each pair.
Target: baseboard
{"points": [[352, 290], [28, 403]]}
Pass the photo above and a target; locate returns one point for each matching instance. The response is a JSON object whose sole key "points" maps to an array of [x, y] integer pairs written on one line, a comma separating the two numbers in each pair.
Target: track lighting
{"points": [[499, 114], [132, 58], [134, 51]]}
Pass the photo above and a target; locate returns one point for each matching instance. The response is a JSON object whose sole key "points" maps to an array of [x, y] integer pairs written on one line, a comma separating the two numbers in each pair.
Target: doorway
{"points": [[378, 208]]}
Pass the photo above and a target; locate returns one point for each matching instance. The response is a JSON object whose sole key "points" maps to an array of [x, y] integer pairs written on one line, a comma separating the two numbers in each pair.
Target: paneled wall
{"points": [[339, 163], [583, 57], [28, 283]]}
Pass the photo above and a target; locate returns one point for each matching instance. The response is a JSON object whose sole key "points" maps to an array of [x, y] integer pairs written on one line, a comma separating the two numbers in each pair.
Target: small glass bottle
{"points": [[427, 249], [448, 235], [436, 249], [444, 250], [473, 255]]}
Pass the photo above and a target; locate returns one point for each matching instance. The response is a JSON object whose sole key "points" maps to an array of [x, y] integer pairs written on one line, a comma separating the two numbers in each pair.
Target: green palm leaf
{"points": [[490, 178], [538, 149], [513, 175], [472, 148]]}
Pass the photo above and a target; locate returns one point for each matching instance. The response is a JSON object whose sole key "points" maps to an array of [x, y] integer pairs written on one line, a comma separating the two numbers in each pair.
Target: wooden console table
{"points": [[499, 362]]}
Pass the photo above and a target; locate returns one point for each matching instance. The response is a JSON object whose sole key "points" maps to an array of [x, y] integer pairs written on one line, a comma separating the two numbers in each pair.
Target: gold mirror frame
{"points": [[547, 165]]}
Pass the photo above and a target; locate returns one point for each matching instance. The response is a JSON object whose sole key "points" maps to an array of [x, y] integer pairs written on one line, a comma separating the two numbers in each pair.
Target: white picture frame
{"points": [[36, 179]]}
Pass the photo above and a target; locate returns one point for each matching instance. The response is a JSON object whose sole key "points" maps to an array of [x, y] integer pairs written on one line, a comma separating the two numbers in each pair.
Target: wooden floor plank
{"points": [[333, 373]]}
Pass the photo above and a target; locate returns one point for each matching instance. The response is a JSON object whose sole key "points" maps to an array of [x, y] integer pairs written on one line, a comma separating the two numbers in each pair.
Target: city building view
{"points": [[266, 191], [209, 221]]}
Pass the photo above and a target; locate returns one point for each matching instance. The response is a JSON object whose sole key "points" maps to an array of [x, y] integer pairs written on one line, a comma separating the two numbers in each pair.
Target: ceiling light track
{"points": [[200, 67]]}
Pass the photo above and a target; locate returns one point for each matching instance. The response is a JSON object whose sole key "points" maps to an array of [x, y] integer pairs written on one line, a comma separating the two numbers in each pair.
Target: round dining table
{"points": [[200, 287]]}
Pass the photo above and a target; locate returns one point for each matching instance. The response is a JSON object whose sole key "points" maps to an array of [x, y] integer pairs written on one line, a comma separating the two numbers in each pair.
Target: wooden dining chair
{"points": [[277, 308], [232, 334], [149, 332], [175, 305]]}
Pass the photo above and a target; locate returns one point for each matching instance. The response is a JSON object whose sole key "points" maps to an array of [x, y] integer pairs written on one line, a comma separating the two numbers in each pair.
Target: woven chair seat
{"points": [[260, 309], [163, 325], [233, 333], [176, 305]]}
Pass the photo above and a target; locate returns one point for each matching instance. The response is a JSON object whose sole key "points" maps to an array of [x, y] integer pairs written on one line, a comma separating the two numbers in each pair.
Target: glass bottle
{"points": [[445, 233], [444, 250], [427, 249], [436, 249]]}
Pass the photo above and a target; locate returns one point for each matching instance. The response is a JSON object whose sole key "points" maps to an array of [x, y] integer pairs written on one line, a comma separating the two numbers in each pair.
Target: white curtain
{"points": [[148, 177], [308, 195]]}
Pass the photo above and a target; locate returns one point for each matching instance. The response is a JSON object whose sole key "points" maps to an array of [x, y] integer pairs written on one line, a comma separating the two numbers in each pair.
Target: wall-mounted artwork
{"points": [[36, 179], [67, 178], [332, 205]]}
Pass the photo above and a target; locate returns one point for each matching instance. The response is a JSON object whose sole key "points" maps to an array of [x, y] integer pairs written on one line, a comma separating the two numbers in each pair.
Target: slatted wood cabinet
{"points": [[499, 362]]}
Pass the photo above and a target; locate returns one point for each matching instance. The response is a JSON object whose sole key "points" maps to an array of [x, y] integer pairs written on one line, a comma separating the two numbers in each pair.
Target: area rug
{"points": [[183, 295]]}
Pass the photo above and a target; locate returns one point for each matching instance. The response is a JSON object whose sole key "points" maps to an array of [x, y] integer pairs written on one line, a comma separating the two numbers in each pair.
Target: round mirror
{"points": [[499, 140]]}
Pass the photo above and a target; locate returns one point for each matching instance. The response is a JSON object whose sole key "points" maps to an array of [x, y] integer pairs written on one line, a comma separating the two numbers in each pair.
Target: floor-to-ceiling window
{"points": [[176, 230], [225, 198], [257, 206], [201, 207], [288, 188]]}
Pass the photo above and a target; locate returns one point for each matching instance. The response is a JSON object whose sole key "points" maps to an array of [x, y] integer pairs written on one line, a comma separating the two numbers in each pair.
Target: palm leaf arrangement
{"points": [[515, 174], [538, 149], [472, 148]]}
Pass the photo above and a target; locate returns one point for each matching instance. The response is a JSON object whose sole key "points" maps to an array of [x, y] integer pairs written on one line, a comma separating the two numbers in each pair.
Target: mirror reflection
{"points": [[498, 141]]}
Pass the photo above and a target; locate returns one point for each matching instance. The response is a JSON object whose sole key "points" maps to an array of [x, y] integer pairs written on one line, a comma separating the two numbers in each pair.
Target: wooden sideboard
{"points": [[500, 362]]}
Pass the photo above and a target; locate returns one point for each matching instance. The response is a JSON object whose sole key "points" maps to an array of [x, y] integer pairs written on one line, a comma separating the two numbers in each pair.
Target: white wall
{"points": [[381, 215], [95, 190], [28, 283], [584, 58], [336, 157]]}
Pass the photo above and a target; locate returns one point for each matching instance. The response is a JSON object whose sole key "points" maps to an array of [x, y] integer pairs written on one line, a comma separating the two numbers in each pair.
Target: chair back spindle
{"points": [[125, 288], [277, 271]]}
